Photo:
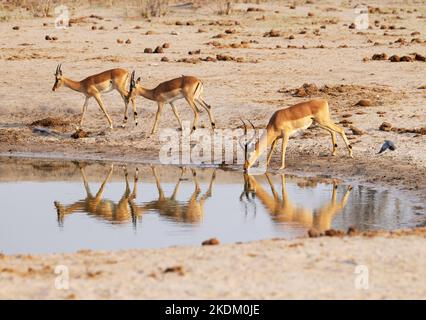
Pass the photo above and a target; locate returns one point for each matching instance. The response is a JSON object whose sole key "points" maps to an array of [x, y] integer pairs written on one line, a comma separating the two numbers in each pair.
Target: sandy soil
{"points": [[320, 268], [333, 60]]}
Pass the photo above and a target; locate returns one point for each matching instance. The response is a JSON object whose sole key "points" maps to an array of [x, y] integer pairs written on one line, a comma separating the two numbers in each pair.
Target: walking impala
{"points": [[287, 121], [189, 88], [93, 86]]}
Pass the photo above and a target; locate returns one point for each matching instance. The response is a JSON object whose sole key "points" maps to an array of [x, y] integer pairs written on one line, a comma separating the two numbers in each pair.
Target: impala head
{"points": [[59, 80], [245, 142]]}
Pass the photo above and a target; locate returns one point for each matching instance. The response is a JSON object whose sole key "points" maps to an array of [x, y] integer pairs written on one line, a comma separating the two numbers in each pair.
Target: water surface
{"points": [[60, 206]]}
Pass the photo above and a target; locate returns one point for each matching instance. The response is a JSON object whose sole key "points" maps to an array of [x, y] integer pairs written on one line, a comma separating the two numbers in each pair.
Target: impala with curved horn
{"points": [[93, 86], [185, 87], [285, 122]]}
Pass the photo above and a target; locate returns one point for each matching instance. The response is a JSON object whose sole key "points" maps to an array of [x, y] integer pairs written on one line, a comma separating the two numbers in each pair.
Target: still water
{"points": [[59, 206]]}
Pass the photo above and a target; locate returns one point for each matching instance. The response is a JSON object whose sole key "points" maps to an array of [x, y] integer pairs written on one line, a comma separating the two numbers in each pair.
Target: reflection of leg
{"points": [[197, 185], [176, 189], [101, 189], [271, 185], [157, 181]]}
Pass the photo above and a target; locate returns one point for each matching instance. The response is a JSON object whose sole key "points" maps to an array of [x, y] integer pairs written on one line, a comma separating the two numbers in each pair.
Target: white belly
{"points": [[300, 129]]}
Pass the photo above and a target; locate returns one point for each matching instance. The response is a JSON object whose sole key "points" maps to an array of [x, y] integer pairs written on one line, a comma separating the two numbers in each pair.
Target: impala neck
{"points": [[264, 141], [73, 85], [146, 93]]}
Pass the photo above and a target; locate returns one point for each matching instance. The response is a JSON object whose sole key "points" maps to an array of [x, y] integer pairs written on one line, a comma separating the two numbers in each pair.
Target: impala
{"points": [[286, 122], [93, 86], [185, 87]]}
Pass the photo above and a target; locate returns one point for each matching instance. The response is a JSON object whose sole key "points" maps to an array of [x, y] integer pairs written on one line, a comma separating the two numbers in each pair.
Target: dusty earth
{"points": [[271, 53]]}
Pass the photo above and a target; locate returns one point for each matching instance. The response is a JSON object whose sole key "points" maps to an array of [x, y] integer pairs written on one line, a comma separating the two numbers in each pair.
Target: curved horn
{"points": [[57, 70], [60, 68]]}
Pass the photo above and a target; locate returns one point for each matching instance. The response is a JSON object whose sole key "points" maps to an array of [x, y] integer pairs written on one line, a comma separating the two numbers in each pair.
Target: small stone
{"points": [[364, 103], [356, 131], [175, 269], [147, 50], [166, 45], [352, 231], [313, 233], [211, 242], [164, 59], [394, 58], [47, 37], [385, 126], [159, 49], [128, 41], [15, 28]]}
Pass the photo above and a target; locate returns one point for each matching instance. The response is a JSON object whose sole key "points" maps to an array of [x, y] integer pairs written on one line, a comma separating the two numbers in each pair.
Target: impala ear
{"points": [[139, 80]]}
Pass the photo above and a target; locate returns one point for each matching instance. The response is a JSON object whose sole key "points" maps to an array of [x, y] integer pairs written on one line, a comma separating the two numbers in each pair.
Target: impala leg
{"points": [[271, 151], [157, 116], [176, 114], [135, 113], [340, 131], [333, 139], [285, 137], [195, 109], [126, 105], [101, 105], [208, 109], [86, 103]]}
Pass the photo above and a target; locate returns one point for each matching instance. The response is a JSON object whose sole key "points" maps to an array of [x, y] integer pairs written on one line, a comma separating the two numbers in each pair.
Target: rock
{"points": [[394, 58], [128, 41], [147, 50], [79, 133], [311, 14], [166, 45], [47, 37], [406, 59], [419, 57], [159, 49], [189, 23], [15, 28], [379, 56], [179, 23], [385, 126], [352, 231], [333, 233], [272, 33], [307, 89], [211, 242], [291, 37], [94, 27], [230, 31], [313, 233], [352, 26], [364, 103], [356, 131], [120, 41], [54, 38], [164, 59], [192, 52], [175, 269]]}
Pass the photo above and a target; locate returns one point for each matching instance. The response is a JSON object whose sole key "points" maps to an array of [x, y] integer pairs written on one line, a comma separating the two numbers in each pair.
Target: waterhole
{"points": [[62, 206]]}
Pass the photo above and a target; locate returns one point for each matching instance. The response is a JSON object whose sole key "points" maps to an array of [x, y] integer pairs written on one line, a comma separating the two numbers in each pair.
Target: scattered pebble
{"points": [[211, 242], [364, 103]]}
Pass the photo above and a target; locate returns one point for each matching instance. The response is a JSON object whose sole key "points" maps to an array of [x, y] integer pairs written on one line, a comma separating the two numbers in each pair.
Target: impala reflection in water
{"points": [[60, 206]]}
